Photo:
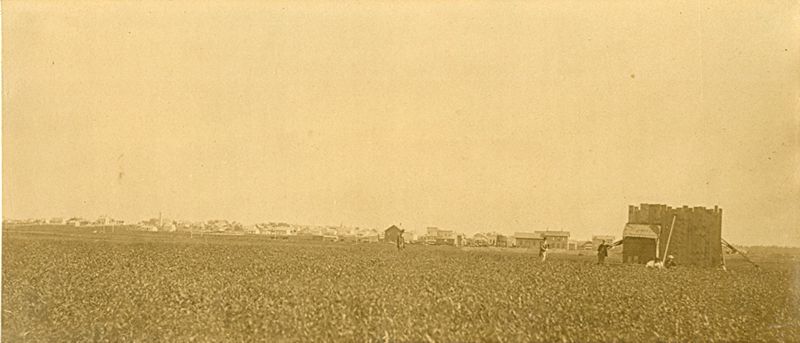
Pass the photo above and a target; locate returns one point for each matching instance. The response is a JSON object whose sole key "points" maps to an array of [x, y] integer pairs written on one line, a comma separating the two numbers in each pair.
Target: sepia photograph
{"points": [[410, 171]]}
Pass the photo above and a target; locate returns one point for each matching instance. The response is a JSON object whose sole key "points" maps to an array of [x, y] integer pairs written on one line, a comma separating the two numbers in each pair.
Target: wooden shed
{"points": [[639, 242]]}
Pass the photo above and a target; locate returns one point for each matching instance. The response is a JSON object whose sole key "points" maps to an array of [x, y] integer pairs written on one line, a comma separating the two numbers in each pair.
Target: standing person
{"points": [[602, 252], [543, 249], [670, 262], [400, 241]]}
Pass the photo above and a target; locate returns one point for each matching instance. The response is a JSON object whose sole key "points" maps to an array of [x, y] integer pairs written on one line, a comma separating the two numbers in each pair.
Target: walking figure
{"points": [[602, 252], [401, 242], [543, 249]]}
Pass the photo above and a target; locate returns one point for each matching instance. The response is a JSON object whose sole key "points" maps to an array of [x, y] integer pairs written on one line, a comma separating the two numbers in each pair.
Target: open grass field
{"points": [[64, 285]]}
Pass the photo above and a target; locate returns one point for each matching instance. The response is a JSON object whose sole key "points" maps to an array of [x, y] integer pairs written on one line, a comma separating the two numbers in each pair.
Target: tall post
{"points": [[669, 238], [658, 242]]}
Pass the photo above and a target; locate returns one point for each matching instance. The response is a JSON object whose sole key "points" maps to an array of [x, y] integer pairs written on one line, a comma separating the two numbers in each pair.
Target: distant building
{"points": [[447, 237], [56, 221], [330, 231], [528, 240], [427, 239], [344, 231], [219, 225], [555, 239], [348, 238], [480, 240], [251, 230], [184, 225], [153, 222], [148, 228], [168, 227], [103, 221], [502, 241], [373, 238], [277, 232], [572, 245], [75, 221], [436, 236], [489, 239], [107, 221]]}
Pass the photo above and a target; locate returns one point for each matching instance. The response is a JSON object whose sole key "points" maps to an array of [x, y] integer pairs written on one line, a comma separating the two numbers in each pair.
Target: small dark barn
{"points": [[391, 233]]}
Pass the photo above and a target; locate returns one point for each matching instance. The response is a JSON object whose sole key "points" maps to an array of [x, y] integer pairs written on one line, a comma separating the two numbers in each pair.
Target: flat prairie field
{"points": [[72, 285]]}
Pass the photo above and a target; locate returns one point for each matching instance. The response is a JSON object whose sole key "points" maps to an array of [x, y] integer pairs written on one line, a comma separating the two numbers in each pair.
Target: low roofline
{"points": [[527, 235], [553, 233], [640, 230]]}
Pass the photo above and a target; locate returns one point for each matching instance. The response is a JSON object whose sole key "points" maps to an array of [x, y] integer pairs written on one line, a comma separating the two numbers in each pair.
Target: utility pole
{"points": [[120, 175]]}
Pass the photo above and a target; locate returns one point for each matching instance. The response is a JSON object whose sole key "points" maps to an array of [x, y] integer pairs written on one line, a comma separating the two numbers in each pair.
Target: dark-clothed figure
{"points": [[670, 262], [602, 252], [401, 243]]}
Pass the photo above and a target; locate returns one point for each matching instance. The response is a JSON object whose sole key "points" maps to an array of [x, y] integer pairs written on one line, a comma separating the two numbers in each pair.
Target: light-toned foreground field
{"points": [[67, 285]]}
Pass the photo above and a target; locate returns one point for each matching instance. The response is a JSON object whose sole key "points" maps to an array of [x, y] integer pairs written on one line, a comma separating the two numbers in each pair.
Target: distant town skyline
{"points": [[484, 116], [134, 221]]}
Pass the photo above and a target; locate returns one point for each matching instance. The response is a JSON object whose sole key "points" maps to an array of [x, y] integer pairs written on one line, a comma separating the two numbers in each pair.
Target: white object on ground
{"points": [[654, 264]]}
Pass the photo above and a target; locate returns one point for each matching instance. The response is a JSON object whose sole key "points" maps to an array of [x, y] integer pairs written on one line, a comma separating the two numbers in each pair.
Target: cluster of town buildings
{"points": [[74, 221], [161, 224], [559, 240], [431, 236]]}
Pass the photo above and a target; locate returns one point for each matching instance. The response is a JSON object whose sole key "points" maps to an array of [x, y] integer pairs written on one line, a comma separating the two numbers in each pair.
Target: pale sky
{"points": [[472, 116]]}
